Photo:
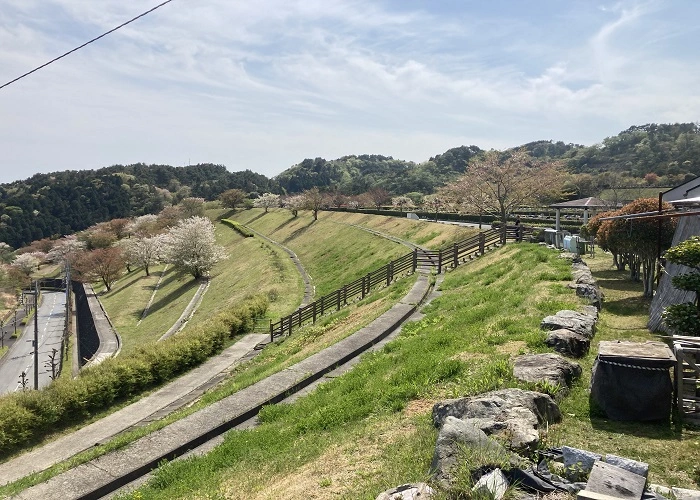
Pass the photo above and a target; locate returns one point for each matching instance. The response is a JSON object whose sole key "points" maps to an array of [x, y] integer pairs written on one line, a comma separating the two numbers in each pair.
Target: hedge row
{"points": [[238, 227], [25, 417]]}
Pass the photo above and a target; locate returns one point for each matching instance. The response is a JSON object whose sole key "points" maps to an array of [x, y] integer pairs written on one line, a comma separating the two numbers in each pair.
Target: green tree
{"points": [[685, 318], [232, 198]]}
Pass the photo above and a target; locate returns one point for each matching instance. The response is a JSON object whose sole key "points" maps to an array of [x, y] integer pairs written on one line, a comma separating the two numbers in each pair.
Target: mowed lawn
{"points": [[334, 252], [370, 429], [252, 266]]}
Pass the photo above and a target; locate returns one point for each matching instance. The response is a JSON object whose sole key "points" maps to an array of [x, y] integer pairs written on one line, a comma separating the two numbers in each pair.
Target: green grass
{"points": [[252, 267], [670, 449], [488, 311], [333, 254]]}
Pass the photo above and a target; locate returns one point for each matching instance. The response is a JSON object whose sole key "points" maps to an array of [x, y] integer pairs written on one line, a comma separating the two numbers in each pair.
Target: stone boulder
{"points": [[591, 293], [582, 274], [591, 311], [456, 435], [581, 323], [550, 368], [418, 491], [513, 414], [568, 343]]}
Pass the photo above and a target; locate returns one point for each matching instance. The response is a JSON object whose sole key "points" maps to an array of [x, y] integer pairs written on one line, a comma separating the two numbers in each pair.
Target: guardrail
{"points": [[441, 260]]}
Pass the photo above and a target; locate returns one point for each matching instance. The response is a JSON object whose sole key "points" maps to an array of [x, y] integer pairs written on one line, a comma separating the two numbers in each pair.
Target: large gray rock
{"points": [[513, 414], [591, 293], [417, 491], [583, 324], [582, 274], [454, 436], [591, 311], [568, 343], [550, 368]]}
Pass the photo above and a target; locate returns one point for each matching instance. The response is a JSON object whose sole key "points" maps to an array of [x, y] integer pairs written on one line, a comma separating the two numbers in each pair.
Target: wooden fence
{"points": [[441, 260], [687, 351]]}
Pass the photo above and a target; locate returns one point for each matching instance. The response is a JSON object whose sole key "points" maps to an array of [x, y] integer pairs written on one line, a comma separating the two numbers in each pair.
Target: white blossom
{"points": [[191, 246]]}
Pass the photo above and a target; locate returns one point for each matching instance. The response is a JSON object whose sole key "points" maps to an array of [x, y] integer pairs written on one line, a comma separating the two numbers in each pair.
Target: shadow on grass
{"points": [[172, 296], [298, 232], [284, 224], [126, 282], [262, 214], [665, 430], [630, 306]]}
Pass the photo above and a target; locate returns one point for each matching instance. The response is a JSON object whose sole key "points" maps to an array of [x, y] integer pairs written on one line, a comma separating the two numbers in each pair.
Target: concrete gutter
{"points": [[103, 475], [110, 341]]}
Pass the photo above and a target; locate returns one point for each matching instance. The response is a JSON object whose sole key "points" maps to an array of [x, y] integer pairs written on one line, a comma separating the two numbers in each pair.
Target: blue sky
{"points": [[262, 85]]}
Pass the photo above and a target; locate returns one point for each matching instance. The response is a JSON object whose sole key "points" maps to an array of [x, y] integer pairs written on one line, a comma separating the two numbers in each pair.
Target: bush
{"points": [[244, 231], [27, 416]]}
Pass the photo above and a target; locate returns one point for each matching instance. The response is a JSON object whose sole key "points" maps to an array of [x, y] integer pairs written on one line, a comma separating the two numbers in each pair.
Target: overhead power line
{"points": [[85, 44]]}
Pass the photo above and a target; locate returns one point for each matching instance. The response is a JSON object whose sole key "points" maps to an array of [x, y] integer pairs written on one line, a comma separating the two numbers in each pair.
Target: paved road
{"points": [[20, 357]]}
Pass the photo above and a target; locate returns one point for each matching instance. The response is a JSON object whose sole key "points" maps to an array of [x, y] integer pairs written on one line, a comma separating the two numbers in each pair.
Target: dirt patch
{"points": [[419, 407], [467, 356], [512, 348]]}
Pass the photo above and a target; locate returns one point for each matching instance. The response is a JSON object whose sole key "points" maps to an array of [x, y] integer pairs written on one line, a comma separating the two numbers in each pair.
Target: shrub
{"points": [[27, 416], [244, 231]]}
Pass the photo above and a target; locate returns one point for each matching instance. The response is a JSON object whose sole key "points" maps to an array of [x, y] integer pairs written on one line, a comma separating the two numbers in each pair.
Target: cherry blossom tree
{"points": [[267, 201], [26, 263], [294, 204], [191, 246], [104, 264]]}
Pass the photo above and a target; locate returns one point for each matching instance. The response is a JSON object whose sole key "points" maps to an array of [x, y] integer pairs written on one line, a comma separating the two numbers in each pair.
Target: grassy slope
{"points": [[252, 267], [369, 429], [333, 252]]}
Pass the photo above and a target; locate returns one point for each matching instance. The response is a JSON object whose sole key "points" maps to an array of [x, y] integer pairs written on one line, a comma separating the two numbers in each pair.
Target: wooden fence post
{"points": [[314, 311], [389, 273], [482, 243], [456, 256], [272, 333], [363, 287], [345, 294], [338, 297], [415, 259], [322, 305], [439, 266]]}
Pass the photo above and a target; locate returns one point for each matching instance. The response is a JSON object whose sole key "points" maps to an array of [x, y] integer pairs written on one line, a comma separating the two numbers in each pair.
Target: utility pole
{"points": [[36, 335]]}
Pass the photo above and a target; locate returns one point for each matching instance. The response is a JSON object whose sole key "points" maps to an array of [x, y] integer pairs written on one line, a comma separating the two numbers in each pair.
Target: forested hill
{"points": [[670, 151], [60, 203], [357, 174], [54, 204]]}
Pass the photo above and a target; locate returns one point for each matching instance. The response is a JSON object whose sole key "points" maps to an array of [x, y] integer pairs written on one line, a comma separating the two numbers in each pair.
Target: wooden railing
{"points": [[440, 260]]}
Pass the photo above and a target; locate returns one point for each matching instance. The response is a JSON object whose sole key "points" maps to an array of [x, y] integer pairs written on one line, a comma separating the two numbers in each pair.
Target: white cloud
{"points": [[262, 85]]}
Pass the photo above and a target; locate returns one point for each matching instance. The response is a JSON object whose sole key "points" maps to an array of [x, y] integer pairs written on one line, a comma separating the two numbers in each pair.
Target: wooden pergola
{"points": [[585, 204]]}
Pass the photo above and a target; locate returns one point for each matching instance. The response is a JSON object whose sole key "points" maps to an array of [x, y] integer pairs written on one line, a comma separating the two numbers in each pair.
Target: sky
{"points": [[262, 85]]}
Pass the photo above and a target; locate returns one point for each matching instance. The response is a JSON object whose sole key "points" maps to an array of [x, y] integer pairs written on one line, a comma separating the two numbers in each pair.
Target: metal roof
{"points": [[589, 202]]}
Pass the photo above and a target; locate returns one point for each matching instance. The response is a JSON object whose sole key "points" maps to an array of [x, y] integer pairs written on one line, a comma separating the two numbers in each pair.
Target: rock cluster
{"points": [[549, 368], [585, 285]]}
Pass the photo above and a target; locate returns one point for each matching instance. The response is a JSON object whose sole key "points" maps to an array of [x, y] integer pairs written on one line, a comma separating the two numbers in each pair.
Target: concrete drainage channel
{"points": [[195, 433]]}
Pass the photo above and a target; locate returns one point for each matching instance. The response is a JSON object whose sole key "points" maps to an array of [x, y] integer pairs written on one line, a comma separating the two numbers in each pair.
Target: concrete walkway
{"points": [[111, 471], [167, 399]]}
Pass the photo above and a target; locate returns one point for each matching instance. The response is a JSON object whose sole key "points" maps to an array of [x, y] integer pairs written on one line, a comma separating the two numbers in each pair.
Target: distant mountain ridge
{"points": [[50, 205]]}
